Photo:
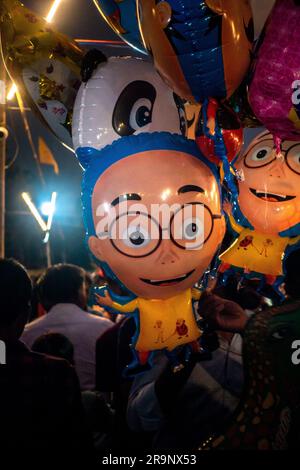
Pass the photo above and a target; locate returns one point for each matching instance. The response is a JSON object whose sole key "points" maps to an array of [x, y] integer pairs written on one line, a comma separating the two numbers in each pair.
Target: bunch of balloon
{"points": [[265, 211], [44, 64], [151, 204]]}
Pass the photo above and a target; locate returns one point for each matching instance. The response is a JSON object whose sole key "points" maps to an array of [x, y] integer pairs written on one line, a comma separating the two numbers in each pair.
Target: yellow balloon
{"points": [[44, 64]]}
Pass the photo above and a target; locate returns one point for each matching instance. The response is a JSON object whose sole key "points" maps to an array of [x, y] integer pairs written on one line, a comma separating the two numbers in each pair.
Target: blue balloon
{"points": [[201, 48]]}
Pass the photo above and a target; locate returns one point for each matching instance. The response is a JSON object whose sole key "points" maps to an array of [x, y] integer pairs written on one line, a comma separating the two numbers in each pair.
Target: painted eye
{"points": [[191, 226], [141, 114], [192, 229], [134, 107], [261, 154], [136, 237], [182, 121], [293, 158]]}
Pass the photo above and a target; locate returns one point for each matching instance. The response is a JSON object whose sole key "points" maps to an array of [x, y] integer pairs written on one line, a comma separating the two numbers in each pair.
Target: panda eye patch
{"points": [[134, 107]]}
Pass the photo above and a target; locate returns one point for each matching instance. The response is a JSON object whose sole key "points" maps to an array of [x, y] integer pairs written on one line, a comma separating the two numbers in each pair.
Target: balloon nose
{"points": [[168, 256], [277, 169]]}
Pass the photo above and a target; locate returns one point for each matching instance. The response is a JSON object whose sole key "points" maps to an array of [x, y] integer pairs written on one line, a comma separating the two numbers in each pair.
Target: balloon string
{"points": [[220, 149]]}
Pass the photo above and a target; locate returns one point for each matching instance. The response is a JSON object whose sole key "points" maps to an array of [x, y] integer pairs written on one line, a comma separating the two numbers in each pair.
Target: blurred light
{"points": [[52, 210], [165, 194], [46, 238], [11, 93], [34, 211], [53, 10], [46, 208]]}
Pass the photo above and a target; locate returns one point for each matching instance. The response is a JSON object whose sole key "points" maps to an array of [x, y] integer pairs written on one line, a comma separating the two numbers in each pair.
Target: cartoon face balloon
{"points": [[152, 211], [125, 96], [200, 48], [269, 186], [274, 89]]}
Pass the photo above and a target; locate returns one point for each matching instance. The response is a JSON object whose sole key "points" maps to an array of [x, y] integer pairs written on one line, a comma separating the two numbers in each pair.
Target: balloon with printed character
{"points": [[122, 96], [151, 205], [265, 211]]}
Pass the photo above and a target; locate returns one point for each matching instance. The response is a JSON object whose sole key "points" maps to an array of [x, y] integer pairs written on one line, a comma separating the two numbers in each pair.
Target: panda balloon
{"points": [[122, 96]]}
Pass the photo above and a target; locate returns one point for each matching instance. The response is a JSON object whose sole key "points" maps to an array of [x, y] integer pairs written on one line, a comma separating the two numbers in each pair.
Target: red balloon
{"points": [[231, 130]]}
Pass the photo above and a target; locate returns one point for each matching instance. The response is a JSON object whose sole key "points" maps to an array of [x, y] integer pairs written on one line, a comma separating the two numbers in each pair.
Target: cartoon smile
{"points": [[167, 282], [271, 197]]}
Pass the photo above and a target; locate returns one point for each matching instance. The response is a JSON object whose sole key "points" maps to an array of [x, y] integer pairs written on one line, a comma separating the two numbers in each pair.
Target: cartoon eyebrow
{"points": [[126, 197], [264, 136], [188, 188]]}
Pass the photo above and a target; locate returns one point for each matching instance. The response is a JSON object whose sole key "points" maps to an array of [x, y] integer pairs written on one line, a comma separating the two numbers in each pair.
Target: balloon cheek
{"points": [[95, 247]]}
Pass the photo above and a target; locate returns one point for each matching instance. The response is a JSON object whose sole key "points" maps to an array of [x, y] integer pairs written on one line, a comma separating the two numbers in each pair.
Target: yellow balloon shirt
{"points": [[256, 251], [164, 324]]}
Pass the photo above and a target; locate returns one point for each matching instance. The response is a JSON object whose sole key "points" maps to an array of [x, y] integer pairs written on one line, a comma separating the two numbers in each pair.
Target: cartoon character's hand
{"points": [[104, 301]]}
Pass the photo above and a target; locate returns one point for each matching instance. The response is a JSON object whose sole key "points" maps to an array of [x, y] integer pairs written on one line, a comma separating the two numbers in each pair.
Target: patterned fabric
{"points": [[268, 416]]}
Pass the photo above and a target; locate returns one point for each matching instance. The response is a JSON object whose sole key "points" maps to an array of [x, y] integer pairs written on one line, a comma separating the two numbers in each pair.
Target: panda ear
{"points": [[90, 62]]}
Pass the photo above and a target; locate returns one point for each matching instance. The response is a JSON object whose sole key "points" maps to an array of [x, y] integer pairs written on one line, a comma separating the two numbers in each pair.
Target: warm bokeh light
{"points": [[11, 93], [53, 10]]}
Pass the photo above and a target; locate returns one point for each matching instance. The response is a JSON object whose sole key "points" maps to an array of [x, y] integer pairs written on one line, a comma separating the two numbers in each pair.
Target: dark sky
{"points": [[78, 19]]}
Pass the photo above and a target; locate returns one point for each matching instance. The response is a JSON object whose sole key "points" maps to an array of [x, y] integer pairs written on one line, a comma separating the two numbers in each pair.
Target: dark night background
{"points": [[77, 19]]}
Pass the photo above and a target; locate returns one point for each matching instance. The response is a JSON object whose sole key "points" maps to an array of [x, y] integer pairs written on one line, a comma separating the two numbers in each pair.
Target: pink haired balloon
{"points": [[274, 92]]}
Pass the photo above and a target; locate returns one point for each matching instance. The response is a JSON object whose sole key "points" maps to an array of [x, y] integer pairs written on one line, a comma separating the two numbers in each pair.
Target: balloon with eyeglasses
{"points": [[265, 210]]}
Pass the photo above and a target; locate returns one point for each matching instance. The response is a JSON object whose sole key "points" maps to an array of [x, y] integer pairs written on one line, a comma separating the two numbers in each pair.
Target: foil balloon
{"points": [[44, 64], [265, 211], [201, 48], [152, 212], [274, 88], [267, 417], [231, 131], [123, 96], [121, 16]]}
